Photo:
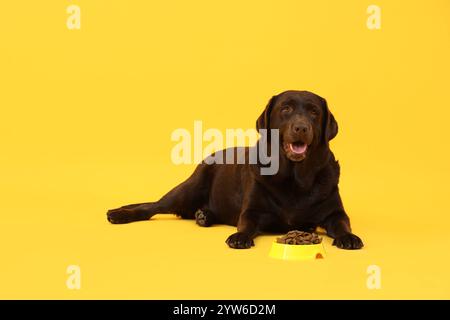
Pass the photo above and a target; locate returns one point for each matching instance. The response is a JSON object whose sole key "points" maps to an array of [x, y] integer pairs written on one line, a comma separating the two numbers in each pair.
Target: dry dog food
{"points": [[299, 237]]}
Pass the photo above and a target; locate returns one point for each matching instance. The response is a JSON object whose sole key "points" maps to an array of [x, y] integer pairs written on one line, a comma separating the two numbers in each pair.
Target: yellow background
{"points": [[86, 118]]}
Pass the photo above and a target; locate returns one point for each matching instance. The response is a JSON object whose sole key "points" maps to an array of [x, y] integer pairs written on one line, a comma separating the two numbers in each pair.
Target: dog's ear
{"points": [[330, 125], [263, 121]]}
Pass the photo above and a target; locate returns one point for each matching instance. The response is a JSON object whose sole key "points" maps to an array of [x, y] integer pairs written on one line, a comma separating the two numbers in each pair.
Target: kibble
{"points": [[299, 238]]}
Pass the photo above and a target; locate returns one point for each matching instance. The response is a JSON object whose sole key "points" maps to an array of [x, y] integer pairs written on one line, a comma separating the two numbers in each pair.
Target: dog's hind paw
{"points": [[204, 218], [123, 215]]}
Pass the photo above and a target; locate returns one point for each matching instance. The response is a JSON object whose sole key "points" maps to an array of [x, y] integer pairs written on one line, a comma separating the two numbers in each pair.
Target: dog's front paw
{"points": [[240, 240], [348, 241]]}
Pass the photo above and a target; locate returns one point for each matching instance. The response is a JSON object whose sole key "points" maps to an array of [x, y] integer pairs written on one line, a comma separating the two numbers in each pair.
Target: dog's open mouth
{"points": [[295, 151], [298, 147]]}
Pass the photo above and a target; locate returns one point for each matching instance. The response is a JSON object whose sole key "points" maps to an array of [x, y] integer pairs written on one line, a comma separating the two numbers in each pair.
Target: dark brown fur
{"points": [[302, 195]]}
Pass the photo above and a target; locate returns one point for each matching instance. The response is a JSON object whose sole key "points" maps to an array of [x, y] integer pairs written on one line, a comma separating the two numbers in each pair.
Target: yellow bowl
{"points": [[297, 252]]}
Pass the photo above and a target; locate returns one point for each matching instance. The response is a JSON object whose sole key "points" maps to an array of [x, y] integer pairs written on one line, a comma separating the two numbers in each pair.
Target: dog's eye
{"points": [[286, 109], [313, 112]]}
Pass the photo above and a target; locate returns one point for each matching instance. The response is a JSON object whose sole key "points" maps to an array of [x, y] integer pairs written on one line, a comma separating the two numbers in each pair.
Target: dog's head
{"points": [[303, 120]]}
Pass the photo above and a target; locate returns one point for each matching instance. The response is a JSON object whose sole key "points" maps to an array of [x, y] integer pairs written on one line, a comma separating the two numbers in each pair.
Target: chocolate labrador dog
{"points": [[303, 194]]}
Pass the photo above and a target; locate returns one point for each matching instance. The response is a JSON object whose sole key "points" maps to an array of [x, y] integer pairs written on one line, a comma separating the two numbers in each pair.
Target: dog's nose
{"points": [[300, 128]]}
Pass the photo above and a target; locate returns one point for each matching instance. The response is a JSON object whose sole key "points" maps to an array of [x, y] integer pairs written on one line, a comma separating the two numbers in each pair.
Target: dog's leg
{"points": [[338, 227], [137, 212], [247, 231], [183, 201]]}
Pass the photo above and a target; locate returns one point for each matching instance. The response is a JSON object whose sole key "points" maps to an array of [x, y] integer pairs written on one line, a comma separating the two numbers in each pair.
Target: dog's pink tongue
{"points": [[298, 148]]}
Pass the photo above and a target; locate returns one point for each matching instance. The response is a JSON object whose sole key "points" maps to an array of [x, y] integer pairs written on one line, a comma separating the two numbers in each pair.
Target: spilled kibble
{"points": [[299, 237]]}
